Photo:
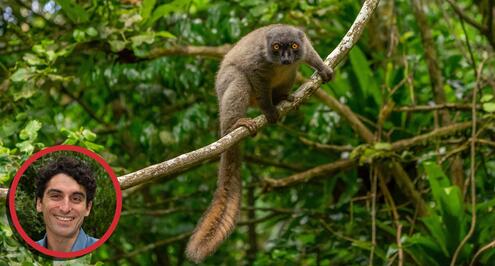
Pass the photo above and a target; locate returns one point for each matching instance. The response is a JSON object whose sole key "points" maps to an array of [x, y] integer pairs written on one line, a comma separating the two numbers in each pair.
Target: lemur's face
{"points": [[284, 47]]}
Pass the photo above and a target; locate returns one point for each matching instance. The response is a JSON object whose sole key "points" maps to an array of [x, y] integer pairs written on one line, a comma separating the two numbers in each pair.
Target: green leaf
{"points": [[165, 34], [74, 12], [27, 90], [92, 146], [117, 46], [306, 239], [361, 68], [88, 134], [148, 37], [79, 35], [25, 147], [449, 204], [30, 132], [383, 146], [437, 180], [406, 36], [8, 128], [438, 231], [165, 9], [486, 98], [38, 22], [91, 31], [22, 74], [146, 9], [489, 107], [423, 249], [32, 59]]}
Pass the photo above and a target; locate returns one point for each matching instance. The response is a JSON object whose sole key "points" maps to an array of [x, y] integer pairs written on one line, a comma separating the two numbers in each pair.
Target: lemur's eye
{"points": [[295, 45], [276, 46]]}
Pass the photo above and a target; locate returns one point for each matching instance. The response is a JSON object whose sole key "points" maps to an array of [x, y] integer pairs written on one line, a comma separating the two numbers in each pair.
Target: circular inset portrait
{"points": [[65, 201]]}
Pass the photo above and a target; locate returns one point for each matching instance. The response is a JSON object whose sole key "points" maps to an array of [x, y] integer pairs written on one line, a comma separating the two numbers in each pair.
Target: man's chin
{"points": [[65, 232]]}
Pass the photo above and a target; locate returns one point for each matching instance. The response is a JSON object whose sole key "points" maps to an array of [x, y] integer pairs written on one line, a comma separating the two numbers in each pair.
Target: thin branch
{"points": [[258, 220], [435, 134], [467, 18], [347, 114], [337, 234], [83, 104], [275, 163], [431, 57], [428, 108], [486, 142], [325, 169], [397, 171], [395, 215], [251, 216], [328, 147], [483, 249], [472, 177], [374, 182], [207, 51]]}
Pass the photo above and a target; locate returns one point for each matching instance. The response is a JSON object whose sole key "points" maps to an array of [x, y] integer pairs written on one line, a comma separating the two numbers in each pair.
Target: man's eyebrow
{"points": [[53, 190]]}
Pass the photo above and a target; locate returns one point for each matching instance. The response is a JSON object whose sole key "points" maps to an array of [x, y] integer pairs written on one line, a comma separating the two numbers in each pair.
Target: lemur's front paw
{"points": [[326, 74]]}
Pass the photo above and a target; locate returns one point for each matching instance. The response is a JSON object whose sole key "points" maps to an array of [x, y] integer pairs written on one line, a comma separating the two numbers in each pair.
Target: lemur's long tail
{"points": [[220, 218]]}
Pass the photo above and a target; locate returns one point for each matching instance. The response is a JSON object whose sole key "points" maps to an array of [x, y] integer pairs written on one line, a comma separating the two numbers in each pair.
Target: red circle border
{"points": [[15, 220]]}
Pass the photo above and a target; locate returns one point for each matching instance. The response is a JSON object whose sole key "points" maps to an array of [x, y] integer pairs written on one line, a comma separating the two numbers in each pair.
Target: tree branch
{"points": [[328, 147], [207, 51], [437, 133], [397, 172], [264, 161], [467, 18], [341, 165], [428, 108], [431, 57], [307, 175]]}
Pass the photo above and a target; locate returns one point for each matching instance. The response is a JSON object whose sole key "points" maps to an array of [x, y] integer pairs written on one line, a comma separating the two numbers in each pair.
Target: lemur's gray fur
{"points": [[260, 68]]}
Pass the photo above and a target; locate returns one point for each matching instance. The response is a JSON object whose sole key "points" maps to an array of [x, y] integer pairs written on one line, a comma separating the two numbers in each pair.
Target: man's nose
{"points": [[65, 205]]}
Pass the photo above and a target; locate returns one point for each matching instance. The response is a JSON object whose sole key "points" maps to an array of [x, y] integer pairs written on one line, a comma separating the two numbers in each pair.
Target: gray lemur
{"points": [[262, 68]]}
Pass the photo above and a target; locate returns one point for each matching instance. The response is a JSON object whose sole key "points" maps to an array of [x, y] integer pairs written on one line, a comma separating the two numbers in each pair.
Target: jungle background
{"points": [[391, 163]]}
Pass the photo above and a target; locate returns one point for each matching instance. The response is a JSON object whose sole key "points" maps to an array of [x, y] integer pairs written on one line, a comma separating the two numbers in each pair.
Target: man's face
{"points": [[64, 206]]}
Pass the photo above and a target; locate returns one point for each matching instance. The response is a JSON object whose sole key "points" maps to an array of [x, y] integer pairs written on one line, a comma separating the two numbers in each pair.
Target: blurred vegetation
{"points": [[97, 74]]}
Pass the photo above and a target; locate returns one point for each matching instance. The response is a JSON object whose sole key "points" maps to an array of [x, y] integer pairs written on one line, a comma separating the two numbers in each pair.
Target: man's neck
{"points": [[62, 244]]}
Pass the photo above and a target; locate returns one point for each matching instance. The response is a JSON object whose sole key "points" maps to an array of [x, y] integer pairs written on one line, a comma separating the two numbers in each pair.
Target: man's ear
{"points": [[38, 205], [88, 208]]}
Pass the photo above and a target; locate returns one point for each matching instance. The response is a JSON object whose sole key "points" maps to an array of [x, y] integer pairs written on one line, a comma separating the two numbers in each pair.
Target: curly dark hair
{"points": [[73, 167]]}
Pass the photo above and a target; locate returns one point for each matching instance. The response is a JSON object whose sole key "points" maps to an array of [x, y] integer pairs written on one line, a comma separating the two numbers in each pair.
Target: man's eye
{"points": [[55, 197], [77, 199]]}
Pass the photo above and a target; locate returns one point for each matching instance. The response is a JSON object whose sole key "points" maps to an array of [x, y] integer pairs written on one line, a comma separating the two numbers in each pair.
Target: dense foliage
{"points": [[114, 76]]}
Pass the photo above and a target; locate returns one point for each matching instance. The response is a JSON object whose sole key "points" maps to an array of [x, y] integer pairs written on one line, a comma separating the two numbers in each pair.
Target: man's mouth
{"points": [[64, 218]]}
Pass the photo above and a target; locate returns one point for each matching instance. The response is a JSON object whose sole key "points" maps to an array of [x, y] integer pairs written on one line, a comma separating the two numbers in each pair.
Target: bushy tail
{"points": [[219, 220]]}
